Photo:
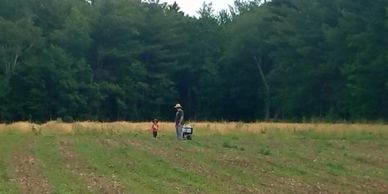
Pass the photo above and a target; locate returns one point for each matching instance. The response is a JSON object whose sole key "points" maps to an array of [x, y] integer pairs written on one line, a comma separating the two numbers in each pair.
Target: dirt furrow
{"points": [[77, 165], [28, 175]]}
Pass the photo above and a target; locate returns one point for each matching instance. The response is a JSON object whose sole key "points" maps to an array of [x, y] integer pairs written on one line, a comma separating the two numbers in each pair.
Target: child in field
{"points": [[155, 128]]}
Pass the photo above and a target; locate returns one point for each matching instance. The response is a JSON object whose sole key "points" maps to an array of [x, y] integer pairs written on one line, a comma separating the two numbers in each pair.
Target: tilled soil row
{"points": [[77, 165], [28, 175]]}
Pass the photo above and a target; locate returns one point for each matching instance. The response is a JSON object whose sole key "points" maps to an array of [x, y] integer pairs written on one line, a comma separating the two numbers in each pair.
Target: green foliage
{"points": [[335, 168], [132, 60], [265, 150], [228, 144]]}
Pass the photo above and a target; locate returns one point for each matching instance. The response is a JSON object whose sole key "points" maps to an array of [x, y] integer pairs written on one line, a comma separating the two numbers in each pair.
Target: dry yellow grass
{"points": [[261, 127], [18, 126], [219, 127]]}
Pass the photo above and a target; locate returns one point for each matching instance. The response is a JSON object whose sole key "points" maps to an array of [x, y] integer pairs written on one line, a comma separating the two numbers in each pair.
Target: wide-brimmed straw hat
{"points": [[178, 106]]}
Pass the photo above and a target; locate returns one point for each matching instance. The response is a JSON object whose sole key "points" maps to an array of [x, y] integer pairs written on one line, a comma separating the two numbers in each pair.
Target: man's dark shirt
{"points": [[178, 116]]}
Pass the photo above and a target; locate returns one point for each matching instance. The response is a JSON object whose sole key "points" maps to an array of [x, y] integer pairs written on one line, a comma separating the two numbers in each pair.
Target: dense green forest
{"points": [[133, 60]]}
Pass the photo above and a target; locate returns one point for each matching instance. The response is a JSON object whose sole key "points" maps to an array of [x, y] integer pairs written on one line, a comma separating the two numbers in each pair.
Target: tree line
{"points": [[133, 60]]}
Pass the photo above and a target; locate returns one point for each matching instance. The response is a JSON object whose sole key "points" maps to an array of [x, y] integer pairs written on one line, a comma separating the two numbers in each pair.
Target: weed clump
{"points": [[265, 151], [228, 144]]}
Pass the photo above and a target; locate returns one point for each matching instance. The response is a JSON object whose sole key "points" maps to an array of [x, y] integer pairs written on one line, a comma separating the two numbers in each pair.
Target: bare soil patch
{"points": [[28, 176]]}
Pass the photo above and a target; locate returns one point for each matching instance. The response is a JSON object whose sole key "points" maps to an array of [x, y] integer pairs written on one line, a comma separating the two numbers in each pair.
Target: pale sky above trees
{"points": [[191, 7]]}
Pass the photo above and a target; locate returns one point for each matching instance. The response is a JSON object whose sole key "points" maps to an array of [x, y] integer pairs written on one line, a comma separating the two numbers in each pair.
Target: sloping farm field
{"points": [[122, 157]]}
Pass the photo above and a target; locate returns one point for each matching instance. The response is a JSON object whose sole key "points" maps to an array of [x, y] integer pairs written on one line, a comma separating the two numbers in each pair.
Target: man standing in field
{"points": [[179, 121]]}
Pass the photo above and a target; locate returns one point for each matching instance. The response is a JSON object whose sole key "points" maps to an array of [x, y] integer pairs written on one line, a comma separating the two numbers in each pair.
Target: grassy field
{"points": [[222, 158]]}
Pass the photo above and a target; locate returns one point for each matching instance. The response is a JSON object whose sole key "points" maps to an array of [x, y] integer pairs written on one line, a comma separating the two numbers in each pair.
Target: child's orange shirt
{"points": [[155, 127]]}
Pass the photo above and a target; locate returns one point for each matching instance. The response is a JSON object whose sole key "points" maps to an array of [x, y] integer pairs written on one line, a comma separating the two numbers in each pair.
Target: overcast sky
{"points": [[191, 7]]}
